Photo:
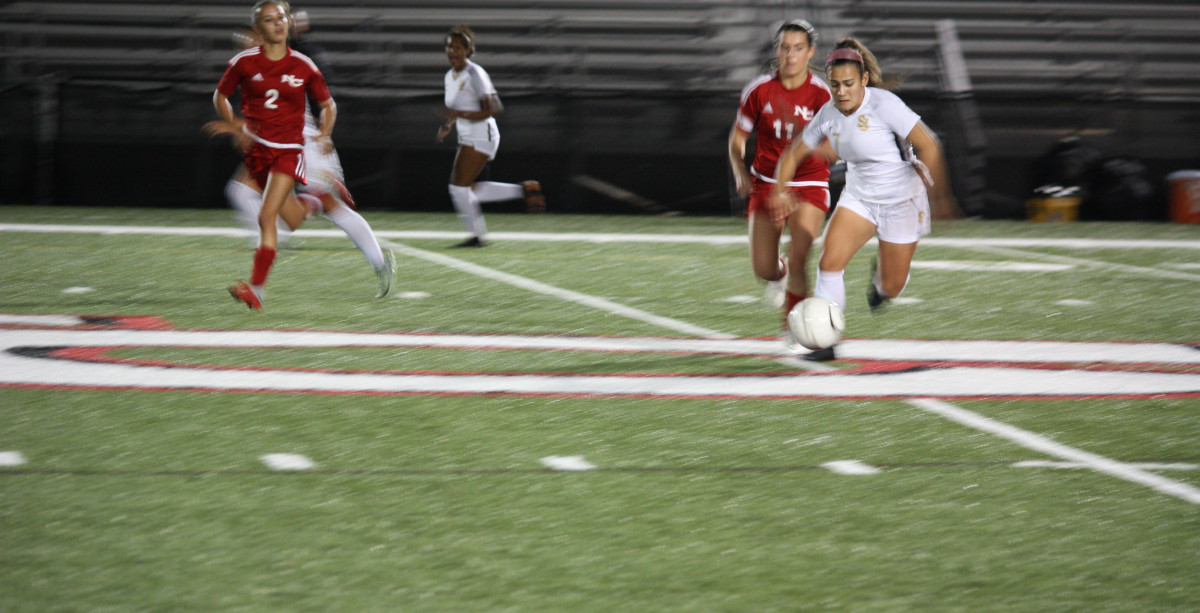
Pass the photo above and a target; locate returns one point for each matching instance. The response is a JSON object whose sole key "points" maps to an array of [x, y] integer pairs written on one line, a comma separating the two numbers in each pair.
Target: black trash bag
{"points": [[1121, 190], [1069, 163]]}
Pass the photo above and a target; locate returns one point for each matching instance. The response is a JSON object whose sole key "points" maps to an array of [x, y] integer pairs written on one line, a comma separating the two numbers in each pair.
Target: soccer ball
{"points": [[816, 323]]}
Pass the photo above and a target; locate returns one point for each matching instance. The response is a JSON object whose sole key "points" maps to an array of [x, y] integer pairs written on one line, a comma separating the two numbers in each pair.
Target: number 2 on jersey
{"points": [[273, 95]]}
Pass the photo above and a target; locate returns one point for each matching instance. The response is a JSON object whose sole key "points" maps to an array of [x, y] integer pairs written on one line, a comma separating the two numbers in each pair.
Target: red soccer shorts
{"points": [[261, 161], [816, 196]]}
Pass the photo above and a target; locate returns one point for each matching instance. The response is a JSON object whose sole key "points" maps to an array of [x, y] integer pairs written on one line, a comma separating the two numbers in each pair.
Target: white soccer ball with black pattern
{"points": [[816, 323]]}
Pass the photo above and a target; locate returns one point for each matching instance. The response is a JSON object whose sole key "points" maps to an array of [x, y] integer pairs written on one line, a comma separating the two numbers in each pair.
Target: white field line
{"points": [[12, 458], [589, 237], [1141, 465], [1039, 443], [550, 290], [850, 467], [1097, 264], [287, 461], [569, 463]]}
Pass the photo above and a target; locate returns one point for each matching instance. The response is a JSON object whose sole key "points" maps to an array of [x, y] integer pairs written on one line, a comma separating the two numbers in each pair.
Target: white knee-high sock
{"points": [[490, 191], [246, 204], [832, 287], [469, 211], [359, 232]]}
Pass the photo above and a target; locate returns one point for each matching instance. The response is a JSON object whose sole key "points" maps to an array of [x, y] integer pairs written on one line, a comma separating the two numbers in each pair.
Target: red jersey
{"points": [[777, 115], [273, 94]]}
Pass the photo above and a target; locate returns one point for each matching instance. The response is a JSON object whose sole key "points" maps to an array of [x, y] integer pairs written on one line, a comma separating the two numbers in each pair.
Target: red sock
{"points": [[264, 257], [789, 303]]}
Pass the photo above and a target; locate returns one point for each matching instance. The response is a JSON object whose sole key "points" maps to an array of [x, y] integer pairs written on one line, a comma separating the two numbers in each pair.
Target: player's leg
{"points": [[244, 198], [277, 192], [492, 191], [848, 231], [804, 226], [467, 164], [900, 227], [765, 260], [764, 247], [360, 233], [895, 262]]}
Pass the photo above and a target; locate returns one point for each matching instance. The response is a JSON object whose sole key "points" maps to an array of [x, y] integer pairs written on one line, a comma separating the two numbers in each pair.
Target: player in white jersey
{"points": [[887, 188], [471, 106]]}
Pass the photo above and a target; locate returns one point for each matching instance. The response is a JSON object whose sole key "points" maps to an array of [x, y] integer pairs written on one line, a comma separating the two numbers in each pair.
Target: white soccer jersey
{"points": [[463, 93], [876, 170]]}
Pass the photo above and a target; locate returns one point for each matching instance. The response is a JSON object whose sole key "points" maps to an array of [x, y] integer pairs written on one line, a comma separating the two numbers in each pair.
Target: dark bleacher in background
{"points": [[101, 102]]}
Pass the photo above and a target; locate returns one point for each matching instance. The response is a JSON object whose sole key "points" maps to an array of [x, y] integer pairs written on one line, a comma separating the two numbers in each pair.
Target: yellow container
{"points": [[1060, 210]]}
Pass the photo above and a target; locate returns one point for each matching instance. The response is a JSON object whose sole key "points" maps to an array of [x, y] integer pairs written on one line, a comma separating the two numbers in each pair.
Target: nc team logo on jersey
{"points": [[805, 112], [290, 80], [864, 123]]}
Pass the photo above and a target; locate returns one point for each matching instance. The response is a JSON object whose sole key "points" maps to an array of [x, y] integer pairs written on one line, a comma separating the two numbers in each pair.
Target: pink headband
{"points": [[844, 54]]}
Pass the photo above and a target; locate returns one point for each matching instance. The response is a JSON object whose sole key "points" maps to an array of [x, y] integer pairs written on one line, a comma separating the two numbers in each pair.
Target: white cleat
{"points": [[386, 274]]}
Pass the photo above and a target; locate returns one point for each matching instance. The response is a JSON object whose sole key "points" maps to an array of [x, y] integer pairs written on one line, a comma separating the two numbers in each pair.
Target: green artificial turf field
{"points": [[707, 478]]}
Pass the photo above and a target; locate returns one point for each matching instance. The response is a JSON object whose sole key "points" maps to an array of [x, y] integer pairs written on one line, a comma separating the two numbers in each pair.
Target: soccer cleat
{"points": [[535, 202], [776, 293], [386, 273], [875, 300], [474, 241], [821, 355], [243, 293]]}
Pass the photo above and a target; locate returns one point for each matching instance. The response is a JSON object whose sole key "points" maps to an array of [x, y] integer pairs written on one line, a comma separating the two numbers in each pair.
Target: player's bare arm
{"points": [[737, 161], [930, 154], [781, 202], [228, 124], [328, 119]]}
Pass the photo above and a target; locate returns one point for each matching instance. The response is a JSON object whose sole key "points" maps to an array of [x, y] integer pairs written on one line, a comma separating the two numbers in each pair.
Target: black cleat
{"points": [[474, 241], [820, 355], [875, 300]]}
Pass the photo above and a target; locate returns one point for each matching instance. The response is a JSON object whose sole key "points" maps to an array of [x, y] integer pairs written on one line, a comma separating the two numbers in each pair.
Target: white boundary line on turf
{"points": [[590, 237], [550, 290], [1138, 270], [1037, 442]]}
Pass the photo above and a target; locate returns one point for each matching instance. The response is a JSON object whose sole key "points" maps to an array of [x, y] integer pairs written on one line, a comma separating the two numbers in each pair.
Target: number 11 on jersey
{"points": [[779, 126]]}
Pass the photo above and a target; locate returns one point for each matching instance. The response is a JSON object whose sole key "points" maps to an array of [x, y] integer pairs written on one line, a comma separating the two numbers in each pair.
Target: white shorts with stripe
{"points": [[483, 136]]}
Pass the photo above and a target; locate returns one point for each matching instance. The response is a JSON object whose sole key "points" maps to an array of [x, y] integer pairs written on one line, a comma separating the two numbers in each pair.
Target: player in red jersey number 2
{"points": [[274, 81], [775, 108]]}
